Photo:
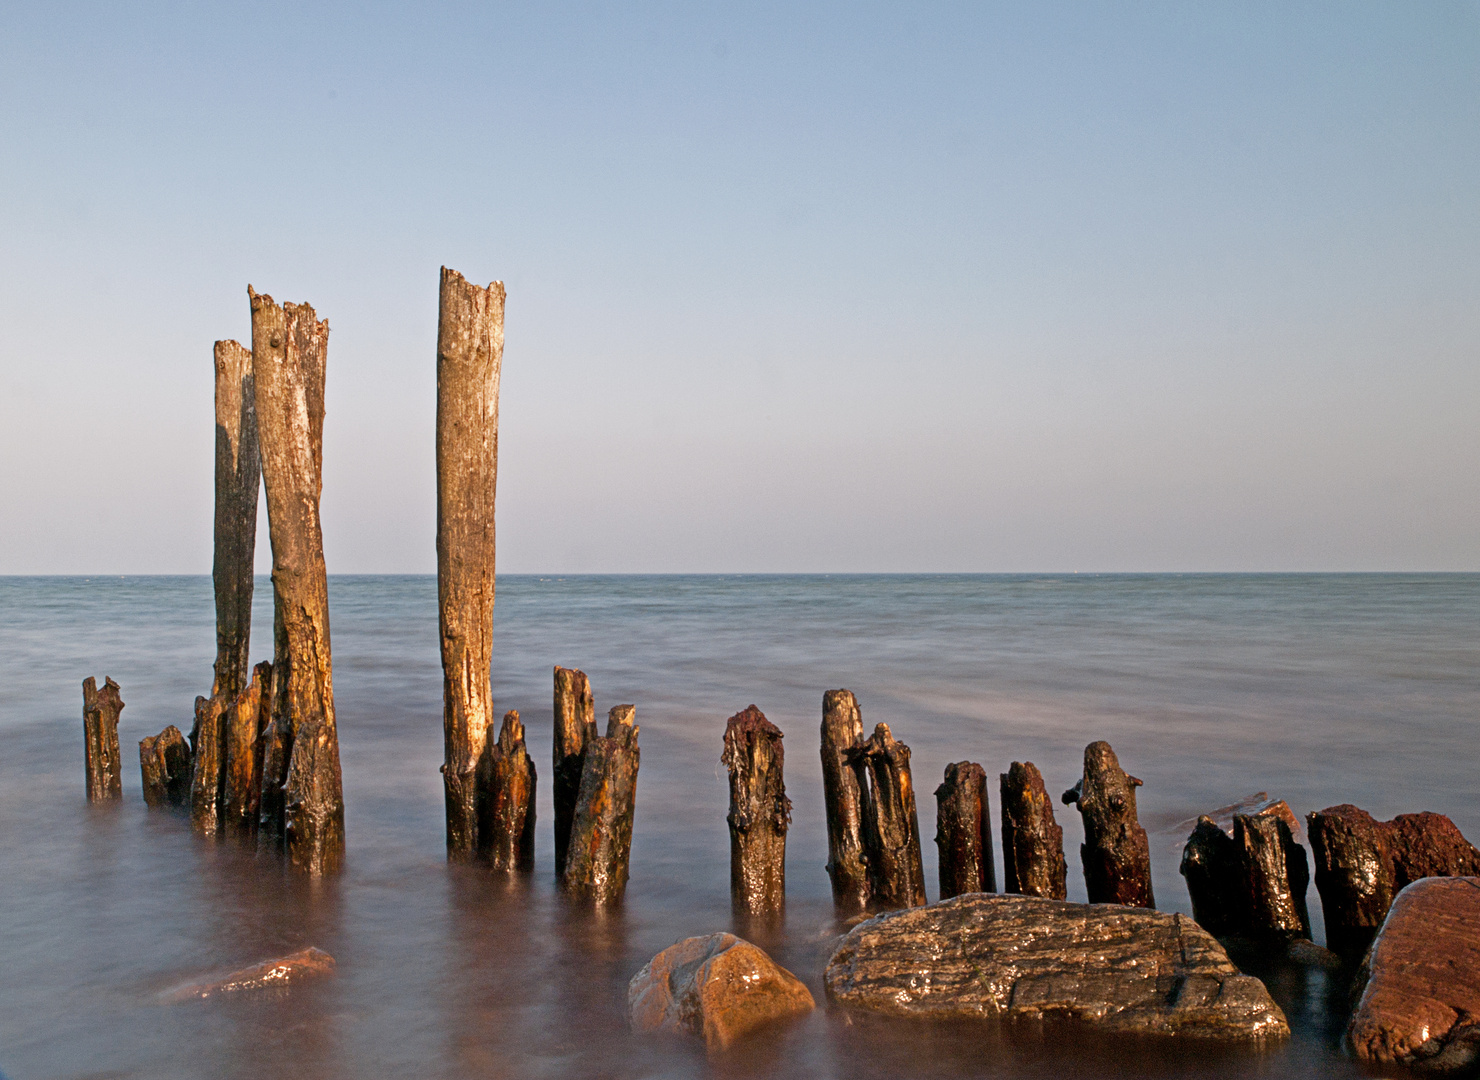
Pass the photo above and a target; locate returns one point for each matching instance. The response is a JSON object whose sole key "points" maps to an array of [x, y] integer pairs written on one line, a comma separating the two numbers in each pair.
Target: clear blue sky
{"points": [[1186, 286]]}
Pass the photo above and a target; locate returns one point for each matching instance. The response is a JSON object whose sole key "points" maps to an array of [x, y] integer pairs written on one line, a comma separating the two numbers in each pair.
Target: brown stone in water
{"points": [[208, 751], [1250, 885], [760, 813], [963, 831], [470, 349], [164, 764], [1361, 864], [270, 974], [718, 987], [575, 727], [289, 355], [1032, 841], [845, 795], [102, 767], [891, 829], [1420, 983], [506, 799], [601, 829], [245, 722], [238, 477], [1114, 969], [1116, 853]]}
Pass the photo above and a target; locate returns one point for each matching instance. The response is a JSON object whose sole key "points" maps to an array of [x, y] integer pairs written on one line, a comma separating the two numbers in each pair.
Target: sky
{"points": [[791, 288]]}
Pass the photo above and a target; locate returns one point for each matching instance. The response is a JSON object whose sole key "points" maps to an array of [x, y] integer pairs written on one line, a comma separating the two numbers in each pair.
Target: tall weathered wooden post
{"points": [[845, 794], [1116, 853], [963, 831], [470, 350], [238, 476], [100, 709], [760, 813], [1032, 841], [601, 828], [575, 727], [891, 828], [302, 791]]}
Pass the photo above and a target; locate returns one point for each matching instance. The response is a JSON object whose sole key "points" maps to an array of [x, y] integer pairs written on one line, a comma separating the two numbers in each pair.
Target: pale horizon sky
{"points": [[791, 288]]}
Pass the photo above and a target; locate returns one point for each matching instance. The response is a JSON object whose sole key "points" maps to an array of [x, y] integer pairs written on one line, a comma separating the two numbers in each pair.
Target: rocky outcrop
{"points": [[1420, 983], [718, 987], [1250, 885], [296, 967], [1116, 969]]}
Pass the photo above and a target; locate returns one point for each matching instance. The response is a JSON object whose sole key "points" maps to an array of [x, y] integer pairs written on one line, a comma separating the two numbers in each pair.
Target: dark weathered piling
{"points": [[289, 354], [470, 346], [207, 756], [164, 764], [891, 828], [845, 794], [506, 799], [1116, 853], [246, 721], [1250, 885], [102, 769], [238, 476], [1362, 863], [760, 813], [1032, 841], [575, 726], [963, 831], [601, 829]]}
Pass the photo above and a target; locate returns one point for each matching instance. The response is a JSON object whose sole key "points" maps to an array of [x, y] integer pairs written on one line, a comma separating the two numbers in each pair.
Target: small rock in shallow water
{"points": [[719, 987], [1117, 969], [295, 967]]}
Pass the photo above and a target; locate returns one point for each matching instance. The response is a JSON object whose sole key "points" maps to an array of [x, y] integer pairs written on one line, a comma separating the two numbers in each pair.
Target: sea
{"points": [[1317, 689]]}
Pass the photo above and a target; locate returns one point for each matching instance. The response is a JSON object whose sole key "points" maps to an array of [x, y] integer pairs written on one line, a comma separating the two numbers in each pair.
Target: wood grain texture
{"points": [[102, 767], [601, 830], [575, 727], [760, 813], [845, 796], [1032, 840], [238, 477]]}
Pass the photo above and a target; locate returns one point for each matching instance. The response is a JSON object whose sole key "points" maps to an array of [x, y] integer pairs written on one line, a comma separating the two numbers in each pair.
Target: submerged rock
{"points": [[1118, 969], [1420, 983], [719, 987], [295, 967]]}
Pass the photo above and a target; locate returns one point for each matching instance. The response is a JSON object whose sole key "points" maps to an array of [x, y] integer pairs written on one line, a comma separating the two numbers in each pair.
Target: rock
{"points": [[1117, 969], [1420, 983], [719, 987], [295, 967]]}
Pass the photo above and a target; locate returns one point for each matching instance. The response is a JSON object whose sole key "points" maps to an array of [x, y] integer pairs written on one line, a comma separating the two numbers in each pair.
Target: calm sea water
{"points": [[1317, 689]]}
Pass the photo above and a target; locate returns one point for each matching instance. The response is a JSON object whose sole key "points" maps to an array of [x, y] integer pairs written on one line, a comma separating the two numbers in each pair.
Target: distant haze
{"points": [[799, 287]]}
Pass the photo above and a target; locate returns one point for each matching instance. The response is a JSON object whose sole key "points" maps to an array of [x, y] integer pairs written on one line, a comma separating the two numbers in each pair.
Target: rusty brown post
{"points": [[245, 722], [963, 832], [164, 765], [506, 800], [891, 828], [760, 813], [845, 797], [102, 767], [1032, 841], [601, 830], [575, 727], [1116, 853], [238, 476]]}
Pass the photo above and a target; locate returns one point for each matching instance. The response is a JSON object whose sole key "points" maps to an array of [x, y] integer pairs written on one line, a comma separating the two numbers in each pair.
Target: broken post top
{"points": [[511, 732], [746, 725], [95, 700], [281, 332], [621, 722], [882, 743], [1104, 784], [842, 720], [575, 712]]}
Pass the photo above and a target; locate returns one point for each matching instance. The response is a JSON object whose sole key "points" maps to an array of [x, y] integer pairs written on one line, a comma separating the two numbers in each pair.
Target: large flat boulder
{"points": [[1117, 969], [719, 987], [1420, 982]]}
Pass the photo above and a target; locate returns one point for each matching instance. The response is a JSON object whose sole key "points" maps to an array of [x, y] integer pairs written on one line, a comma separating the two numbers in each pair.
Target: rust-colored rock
{"points": [[164, 764], [1116, 853], [845, 796], [963, 831], [760, 813], [718, 987], [281, 972], [575, 726], [506, 800], [601, 827], [1420, 983], [1032, 841], [103, 769], [1251, 884]]}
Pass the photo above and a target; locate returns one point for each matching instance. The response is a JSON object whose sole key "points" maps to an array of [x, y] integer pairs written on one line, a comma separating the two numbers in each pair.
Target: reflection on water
{"points": [[1316, 689]]}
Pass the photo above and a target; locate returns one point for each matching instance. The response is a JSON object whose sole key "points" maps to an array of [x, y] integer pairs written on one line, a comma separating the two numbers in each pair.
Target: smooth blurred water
{"points": [[1319, 689]]}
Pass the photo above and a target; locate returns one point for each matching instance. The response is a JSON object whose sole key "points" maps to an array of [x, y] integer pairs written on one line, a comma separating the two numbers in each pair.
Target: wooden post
{"points": [[575, 727], [245, 720], [1116, 853], [1032, 841], [102, 767], [238, 475], [963, 832], [506, 799], [891, 828], [1250, 885], [208, 752], [164, 764], [289, 352], [601, 831], [760, 813], [845, 795], [470, 347]]}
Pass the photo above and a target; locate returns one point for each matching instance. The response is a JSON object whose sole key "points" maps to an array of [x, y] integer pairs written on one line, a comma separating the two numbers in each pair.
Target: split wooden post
{"points": [[1250, 885], [575, 727], [760, 813], [1116, 853], [164, 765], [963, 832], [470, 347], [289, 354], [1032, 841], [238, 476], [207, 757], [845, 795], [102, 767], [601, 830], [245, 720], [891, 828], [506, 801]]}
